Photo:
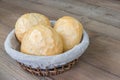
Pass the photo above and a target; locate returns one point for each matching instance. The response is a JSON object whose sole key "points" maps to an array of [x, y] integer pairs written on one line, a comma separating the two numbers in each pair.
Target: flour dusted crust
{"points": [[28, 20], [41, 41], [70, 30]]}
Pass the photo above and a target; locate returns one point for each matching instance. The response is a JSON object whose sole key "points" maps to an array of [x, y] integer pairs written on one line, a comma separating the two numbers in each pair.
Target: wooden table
{"points": [[101, 19]]}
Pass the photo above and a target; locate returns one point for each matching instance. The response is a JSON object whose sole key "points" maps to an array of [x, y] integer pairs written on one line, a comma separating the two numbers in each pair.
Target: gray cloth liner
{"points": [[11, 46]]}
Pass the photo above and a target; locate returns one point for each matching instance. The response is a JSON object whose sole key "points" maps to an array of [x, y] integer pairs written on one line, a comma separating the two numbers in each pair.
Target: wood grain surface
{"points": [[101, 19]]}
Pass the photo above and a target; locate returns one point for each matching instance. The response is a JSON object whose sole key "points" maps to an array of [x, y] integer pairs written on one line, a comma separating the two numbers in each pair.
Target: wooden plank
{"points": [[31, 7], [10, 69], [99, 13], [13, 12], [85, 72], [103, 53], [112, 4], [92, 66]]}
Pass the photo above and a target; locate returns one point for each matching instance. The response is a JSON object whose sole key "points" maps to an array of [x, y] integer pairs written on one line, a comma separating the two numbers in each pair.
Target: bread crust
{"points": [[70, 29]]}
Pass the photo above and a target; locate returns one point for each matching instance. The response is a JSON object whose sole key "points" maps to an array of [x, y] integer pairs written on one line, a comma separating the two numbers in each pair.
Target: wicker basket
{"points": [[37, 64], [49, 72]]}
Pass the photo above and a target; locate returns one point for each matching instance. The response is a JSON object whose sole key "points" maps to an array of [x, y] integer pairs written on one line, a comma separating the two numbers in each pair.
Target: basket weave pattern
{"points": [[49, 72]]}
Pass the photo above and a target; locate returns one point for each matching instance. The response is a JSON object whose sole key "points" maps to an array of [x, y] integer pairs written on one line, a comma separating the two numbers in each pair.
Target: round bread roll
{"points": [[41, 41], [70, 30], [28, 20]]}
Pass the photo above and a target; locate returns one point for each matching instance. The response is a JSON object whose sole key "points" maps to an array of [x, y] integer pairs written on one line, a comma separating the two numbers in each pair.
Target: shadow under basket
{"points": [[49, 72]]}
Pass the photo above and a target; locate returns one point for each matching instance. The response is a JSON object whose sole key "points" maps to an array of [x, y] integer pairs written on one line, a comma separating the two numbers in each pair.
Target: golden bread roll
{"points": [[28, 20], [41, 41], [70, 30]]}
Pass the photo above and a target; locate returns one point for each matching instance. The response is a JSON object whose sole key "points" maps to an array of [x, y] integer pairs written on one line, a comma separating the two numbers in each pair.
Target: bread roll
{"points": [[70, 30], [41, 41], [28, 20]]}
